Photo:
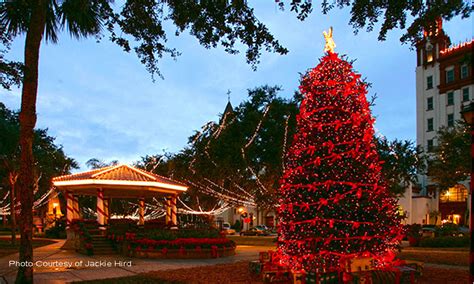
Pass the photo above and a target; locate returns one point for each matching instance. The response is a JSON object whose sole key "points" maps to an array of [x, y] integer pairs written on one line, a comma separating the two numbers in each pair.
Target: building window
{"points": [[429, 145], [429, 82], [450, 98], [464, 71], [457, 193], [450, 120], [449, 76], [429, 56], [430, 124], [429, 103], [465, 95]]}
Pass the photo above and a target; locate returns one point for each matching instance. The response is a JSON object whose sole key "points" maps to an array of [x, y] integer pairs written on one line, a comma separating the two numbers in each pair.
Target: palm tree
{"points": [[38, 19]]}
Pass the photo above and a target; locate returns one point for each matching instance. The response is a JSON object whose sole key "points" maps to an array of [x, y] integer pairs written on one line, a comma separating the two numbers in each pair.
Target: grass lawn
{"points": [[238, 273], [6, 247], [450, 256]]}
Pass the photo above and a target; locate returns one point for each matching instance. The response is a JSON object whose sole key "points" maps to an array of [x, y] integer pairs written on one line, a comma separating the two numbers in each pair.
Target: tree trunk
{"points": [[26, 179], [12, 177]]}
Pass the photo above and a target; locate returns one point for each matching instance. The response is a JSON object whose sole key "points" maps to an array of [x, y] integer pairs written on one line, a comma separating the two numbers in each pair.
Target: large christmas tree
{"points": [[333, 204]]}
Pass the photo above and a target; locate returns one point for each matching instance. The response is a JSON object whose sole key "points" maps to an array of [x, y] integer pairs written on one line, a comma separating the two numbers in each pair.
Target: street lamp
{"points": [[467, 112]]}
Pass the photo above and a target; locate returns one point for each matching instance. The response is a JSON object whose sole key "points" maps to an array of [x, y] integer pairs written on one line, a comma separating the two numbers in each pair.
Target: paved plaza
{"points": [[54, 265]]}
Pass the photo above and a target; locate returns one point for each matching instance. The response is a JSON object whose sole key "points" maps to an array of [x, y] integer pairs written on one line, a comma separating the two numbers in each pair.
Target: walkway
{"points": [[53, 265], [56, 266]]}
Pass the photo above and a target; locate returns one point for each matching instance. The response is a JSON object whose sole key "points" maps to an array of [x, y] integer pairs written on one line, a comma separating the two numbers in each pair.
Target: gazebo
{"points": [[120, 181]]}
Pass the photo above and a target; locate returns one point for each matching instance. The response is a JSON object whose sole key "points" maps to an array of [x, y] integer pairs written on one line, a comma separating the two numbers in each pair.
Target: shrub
{"points": [[448, 229], [156, 224], [445, 242], [165, 234], [56, 232], [237, 226], [414, 231], [188, 243], [160, 234]]}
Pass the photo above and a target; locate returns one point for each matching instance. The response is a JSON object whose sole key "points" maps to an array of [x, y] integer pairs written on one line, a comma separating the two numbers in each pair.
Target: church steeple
{"points": [[228, 108], [228, 111]]}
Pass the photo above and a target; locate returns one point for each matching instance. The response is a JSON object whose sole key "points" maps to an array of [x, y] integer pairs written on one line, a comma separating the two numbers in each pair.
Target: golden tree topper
{"points": [[330, 44]]}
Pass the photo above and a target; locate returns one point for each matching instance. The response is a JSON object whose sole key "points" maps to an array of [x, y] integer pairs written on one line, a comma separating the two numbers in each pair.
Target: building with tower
{"points": [[444, 83]]}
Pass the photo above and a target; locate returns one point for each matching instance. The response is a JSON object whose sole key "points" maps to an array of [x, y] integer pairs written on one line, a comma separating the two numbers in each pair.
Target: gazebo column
{"points": [[174, 212], [100, 209], [77, 214], [69, 209], [141, 211], [168, 210], [107, 210]]}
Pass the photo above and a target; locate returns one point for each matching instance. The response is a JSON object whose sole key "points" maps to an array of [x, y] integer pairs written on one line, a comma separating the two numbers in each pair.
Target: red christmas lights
{"points": [[333, 204]]}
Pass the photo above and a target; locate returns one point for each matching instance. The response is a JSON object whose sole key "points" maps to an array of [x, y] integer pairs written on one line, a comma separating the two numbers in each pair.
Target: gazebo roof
{"points": [[118, 181]]}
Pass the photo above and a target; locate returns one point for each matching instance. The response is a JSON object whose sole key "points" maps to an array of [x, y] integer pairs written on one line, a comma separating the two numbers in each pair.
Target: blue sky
{"points": [[100, 102]]}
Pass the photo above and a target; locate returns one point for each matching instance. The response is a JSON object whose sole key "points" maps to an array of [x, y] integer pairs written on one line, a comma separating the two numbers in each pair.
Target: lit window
{"points": [[450, 120], [429, 56], [450, 98], [457, 193], [430, 124], [429, 82], [429, 103], [464, 71], [449, 76], [465, 95]]}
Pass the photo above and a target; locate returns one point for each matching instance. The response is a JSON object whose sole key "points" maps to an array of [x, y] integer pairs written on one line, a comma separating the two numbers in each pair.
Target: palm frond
{"points": [[14, 17], [80, 17]]}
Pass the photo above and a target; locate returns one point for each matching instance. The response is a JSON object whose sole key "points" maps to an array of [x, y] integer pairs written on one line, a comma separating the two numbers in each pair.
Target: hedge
{"points": [[445, 242]]}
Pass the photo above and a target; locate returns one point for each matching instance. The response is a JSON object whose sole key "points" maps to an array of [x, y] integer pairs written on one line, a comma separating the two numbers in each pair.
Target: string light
{"points": [[36, 204], [39, 202], [5, 197], [456, 47], [248, 198], [213, 131], [285, 138], [214, 211], [224, 197]]}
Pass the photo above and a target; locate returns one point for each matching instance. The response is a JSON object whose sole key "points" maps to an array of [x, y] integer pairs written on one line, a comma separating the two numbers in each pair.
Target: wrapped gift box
{"points": [[299, 278], [322, 278], [277, 276], [255, 267], [267, 256], [359, 264], [396, 275]]}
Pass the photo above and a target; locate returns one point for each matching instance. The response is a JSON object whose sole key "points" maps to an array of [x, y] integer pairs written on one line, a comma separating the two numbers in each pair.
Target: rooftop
{"points": [[455, 48], [117, 177]]}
